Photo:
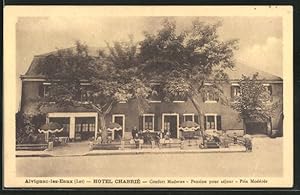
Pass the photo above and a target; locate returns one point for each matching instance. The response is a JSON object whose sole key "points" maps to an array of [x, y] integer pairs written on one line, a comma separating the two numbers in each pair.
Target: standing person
{"points": [[134, 132], [248, 142], [235, 138], [135, 136]]}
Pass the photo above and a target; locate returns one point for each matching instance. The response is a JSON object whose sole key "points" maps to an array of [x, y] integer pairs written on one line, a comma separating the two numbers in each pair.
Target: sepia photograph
{"points": [[135, 98]]}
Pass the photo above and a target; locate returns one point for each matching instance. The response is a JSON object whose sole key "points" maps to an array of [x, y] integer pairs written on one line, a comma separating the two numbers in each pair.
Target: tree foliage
{"points": [[110, 77], [254, 102], [27, 126], [181, 62], [184, 61]]}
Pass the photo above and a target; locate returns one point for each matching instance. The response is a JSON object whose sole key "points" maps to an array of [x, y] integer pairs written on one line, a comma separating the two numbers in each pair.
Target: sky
{"points": [[260, 38]]}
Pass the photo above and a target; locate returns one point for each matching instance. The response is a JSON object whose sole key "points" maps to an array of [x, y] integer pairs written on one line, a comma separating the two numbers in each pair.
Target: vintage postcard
{"points": [[148, 97]]}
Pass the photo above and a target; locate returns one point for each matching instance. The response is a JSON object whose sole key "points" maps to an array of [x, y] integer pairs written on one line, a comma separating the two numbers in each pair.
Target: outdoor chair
{"points": [[78, 137]]}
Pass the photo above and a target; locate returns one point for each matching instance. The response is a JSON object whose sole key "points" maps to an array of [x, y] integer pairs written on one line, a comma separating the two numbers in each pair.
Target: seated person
{"points": [[99, 139], [134, 132], [167, 135]]}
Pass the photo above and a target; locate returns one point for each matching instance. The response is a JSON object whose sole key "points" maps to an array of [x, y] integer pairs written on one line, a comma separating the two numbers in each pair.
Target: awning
{"points": [[189, 126], [114, 127], [51, 127]]}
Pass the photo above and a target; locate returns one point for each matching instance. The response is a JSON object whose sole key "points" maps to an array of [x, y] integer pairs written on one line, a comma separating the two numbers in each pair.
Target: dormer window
{"points": [[235, 90], [44, 90], [179, 99], [210, 96], [268, 88], [84, 96], [155, 95]]}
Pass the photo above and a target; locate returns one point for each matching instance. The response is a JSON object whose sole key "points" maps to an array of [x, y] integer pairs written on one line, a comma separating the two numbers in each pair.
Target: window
{"points": [[155, 96], [85, 127], [268, 88], [235, 91], [148, 122], [92, 126], [210, 96], [179, 99], [188, 117], [78, 127], [212, 122], [85, 124], [44, 90], [84, 96]]}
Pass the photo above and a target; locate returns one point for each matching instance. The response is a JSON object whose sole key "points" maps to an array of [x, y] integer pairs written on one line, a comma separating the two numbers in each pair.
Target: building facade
{"points": [[162, 116]]}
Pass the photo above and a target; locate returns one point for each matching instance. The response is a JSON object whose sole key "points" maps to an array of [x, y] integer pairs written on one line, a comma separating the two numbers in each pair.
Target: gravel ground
{"points": [[264, 161]]}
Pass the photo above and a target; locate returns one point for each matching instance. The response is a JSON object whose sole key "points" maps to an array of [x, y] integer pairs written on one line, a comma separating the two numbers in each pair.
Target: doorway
{"points": [[120, 119], [171, 123]]}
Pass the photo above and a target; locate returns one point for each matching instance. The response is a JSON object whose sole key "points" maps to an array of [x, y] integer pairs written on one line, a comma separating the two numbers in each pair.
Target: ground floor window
{"points": [[212, 122], [148, 122], [188, 117], [84, 127]]}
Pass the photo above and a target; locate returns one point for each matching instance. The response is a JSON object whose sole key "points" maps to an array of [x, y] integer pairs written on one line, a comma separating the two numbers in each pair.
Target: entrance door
{"points": [[170, 124], [120, 120]]}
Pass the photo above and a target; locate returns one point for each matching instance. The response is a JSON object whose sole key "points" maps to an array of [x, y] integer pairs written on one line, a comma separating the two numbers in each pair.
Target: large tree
{"points": [[255, 101], [183, 62], [111, 77]]}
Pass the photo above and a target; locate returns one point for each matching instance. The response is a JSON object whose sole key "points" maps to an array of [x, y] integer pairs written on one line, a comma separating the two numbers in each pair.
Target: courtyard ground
{"points": [[264, 161]]}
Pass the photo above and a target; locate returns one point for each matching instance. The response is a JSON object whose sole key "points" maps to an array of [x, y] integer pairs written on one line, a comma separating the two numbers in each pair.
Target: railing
{"points": [[136, 145], [32, 147]]}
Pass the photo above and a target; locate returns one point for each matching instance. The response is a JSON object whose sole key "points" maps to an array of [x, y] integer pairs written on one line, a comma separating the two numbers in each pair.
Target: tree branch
{"points": [[109, 107], [96, 107]]}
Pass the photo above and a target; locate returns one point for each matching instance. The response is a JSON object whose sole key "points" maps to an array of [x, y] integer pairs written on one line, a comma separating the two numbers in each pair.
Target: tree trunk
{"points": [[197, 107], [102, 125]]}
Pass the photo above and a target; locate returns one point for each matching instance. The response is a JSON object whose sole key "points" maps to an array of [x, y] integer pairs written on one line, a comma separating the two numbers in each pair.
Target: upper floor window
{"points": [[44, 90], [84, 96], [210, 96], [235, 90], [268, 88], [156, 92], [179, 99]]}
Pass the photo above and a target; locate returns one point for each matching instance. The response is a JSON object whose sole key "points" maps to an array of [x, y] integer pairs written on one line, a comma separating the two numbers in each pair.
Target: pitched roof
{"points": [[234, 74], [38, 60], [243, 69]]}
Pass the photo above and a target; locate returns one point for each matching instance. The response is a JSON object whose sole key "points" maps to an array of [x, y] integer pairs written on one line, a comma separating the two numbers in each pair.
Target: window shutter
{"points": [[232, 92], [155, 122], [204, 122], [41, 90], [219, 122], [196, 119], [140, 122], [181, 119], [270, 89], [204, 97]]}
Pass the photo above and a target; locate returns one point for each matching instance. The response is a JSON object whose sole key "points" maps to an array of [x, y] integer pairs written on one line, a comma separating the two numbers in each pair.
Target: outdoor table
{"points": [[63, 140]]}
